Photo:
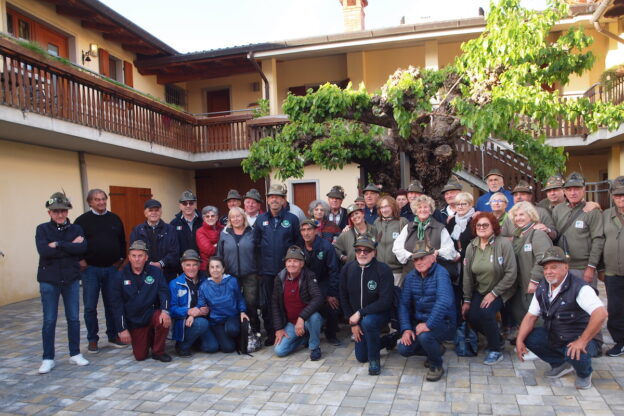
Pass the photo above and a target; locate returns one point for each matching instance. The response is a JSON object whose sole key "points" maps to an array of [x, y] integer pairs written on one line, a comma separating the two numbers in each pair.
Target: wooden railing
{"points": [[612, 92]]}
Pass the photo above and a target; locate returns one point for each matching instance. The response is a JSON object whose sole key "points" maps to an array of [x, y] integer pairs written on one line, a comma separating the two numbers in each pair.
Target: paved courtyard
{"points": [[230, 384]]}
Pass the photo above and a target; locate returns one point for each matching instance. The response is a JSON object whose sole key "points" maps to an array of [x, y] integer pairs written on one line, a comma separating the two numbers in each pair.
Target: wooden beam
{"points": [[120, 37], [99, 26], [140, 48], [72, 11], [202, 74]]}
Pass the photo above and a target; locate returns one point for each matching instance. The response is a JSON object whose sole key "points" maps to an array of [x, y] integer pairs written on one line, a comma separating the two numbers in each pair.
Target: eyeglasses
{"points": [[462, 204], [498, 201], [483, 225], [210, 216], [187, 203], [363, 250]]}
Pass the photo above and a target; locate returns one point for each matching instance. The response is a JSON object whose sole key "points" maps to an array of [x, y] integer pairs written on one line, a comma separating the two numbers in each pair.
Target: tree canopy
{"points": [[495, 88]]}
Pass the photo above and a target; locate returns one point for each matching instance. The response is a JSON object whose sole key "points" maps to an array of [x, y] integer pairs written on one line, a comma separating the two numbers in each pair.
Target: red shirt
{"points": [[292, 301]]}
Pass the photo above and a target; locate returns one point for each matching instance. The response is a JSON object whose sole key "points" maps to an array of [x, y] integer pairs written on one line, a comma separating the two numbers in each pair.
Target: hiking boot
{"points": [[116, 343], [374, 368], [616, 350], [333, 341], [46, 366], [78, 359], [269, 341], [493, 357], [434, 373], [583, 383], [165, 358], [93, 347], [183, 353], [560, 371], [315, 354]]}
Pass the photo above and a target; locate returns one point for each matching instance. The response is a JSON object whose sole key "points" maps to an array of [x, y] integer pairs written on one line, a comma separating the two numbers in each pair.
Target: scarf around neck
{"points": [[461, 222], [420, 233]]}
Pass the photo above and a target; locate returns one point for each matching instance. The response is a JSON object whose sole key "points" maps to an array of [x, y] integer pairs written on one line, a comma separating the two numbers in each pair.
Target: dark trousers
{"points": [[330, 316], [50, 295], [429, 344], [538, 342], [152, 335], [483, 320], [370, 345], [266, 285], [96, 280], [249, 285], [222, 335], [615, 295]]}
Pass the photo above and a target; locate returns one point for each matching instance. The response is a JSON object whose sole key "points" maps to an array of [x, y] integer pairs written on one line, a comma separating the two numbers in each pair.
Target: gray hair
{"points": [[315, 204], [92, 192], [210, 208], [499, 195], [423, 200]]}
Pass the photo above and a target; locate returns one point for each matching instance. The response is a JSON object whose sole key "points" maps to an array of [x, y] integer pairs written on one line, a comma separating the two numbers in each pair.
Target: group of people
{"points": [[398, 270]]}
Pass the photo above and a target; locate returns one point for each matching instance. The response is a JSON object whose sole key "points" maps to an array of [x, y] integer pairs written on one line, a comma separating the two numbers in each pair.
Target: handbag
{"points": [[466, 341], [248, 341]]}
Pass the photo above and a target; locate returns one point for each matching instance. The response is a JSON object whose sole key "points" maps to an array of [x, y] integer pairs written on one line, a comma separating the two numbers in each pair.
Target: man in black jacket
{"points": [[573, 315], [141, 302], [60, 245], [296, 302], [366, 293], [106, 251], [161, 240], [186, 223]]}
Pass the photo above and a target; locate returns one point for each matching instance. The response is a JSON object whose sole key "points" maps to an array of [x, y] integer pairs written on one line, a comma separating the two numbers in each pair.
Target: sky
{"points": [[197, 25]]}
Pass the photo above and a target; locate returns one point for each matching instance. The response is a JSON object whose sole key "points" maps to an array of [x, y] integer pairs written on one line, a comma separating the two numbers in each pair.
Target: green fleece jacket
{"points": [[614, 243], [584, 237]]}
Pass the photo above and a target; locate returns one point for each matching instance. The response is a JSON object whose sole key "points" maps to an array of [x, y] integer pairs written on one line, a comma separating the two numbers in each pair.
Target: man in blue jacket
{"points": [[427, 310], [140, 298], [320, 258], [495, 183], [160, 237], [274, 231], [60, 245]]}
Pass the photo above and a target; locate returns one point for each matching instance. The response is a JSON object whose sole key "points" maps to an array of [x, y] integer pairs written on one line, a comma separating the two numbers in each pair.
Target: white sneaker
{"points": [[78, 359], [46, 366], [530, 356]]}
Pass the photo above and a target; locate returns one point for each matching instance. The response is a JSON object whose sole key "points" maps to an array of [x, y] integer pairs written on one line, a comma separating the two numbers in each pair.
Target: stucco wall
{"points": [[382, 63]]}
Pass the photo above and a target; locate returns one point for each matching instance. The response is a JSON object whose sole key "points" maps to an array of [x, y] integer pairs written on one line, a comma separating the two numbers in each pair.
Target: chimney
{"points": [[353, 14]]}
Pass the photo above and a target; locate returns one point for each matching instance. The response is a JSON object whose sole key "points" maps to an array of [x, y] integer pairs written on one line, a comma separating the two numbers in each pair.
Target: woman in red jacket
{"points": [[208, 235]]}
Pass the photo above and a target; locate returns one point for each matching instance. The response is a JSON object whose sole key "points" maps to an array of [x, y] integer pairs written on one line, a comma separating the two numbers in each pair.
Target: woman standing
{"points": [[60, 244], [227, 307], [236, 247], [489, 280], [499, 202], [208, 235], [529, 244], [318, 210], [357, 227], [388, 226]]}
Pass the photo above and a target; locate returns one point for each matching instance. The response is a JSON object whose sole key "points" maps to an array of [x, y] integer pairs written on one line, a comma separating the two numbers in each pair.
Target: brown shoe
{"points": [[93, 347]]}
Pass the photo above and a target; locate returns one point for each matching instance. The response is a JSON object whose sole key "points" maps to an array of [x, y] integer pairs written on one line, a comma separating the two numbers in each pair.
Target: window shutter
{"points": [[103, 58], [127, 68]]}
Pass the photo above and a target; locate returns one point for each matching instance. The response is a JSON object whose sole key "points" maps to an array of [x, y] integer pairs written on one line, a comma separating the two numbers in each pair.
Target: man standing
{"points": [[427, 310], [320, 258], [60, 245], [296, 302], [274, 232], [371, 196], [252, 203], [233, 199], [186, 224], [161, 239], [141, 303], [554, 193], [106, 250], [573, 315], [495, 183], [613, 256], [337, 214], [580, 233], [449, 191]]}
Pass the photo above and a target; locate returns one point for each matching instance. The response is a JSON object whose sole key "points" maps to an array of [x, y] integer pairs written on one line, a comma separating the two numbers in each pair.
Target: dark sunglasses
{"points": [[363, 250], [187, 203]]}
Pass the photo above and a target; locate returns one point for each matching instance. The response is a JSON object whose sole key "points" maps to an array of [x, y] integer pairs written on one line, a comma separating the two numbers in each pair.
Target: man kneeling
{"points": [[427, 310], [140, 296], [296, 303], [573, 315]]}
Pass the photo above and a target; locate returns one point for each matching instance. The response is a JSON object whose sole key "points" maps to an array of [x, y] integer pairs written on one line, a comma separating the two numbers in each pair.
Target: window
{"points": [[10, 23], [24, 29], [53, 49], [112, 68], [175, 95]]}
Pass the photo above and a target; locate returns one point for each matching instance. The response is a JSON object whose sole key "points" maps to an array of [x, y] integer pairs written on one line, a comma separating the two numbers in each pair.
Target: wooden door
{"points": [[213, 185], [303, 194], [128, 203], [218, 101], [53, 42]]}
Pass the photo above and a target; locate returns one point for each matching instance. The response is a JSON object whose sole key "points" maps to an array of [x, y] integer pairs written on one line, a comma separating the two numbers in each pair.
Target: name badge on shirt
{"points": [[491, 258], [528, 247], [127, 282], [500, 260], [179, 227], [265, 223], [395, 235], [579, 224]]}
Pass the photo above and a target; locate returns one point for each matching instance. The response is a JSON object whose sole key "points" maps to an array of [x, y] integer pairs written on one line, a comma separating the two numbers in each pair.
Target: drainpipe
{"points": [[84, 181], [250, 58], [595, 19]]}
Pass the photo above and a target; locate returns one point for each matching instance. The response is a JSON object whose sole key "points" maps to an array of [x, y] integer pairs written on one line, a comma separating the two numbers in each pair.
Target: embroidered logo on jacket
{"points": [[149, 280], [372, 285]]}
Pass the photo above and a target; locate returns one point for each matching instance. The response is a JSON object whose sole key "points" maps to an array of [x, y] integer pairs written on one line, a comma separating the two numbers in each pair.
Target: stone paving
{"points": [[230, 384]]}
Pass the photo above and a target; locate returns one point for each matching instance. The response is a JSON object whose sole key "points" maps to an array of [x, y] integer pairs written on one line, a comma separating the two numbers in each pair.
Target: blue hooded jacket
{"points": [[224, 299]]}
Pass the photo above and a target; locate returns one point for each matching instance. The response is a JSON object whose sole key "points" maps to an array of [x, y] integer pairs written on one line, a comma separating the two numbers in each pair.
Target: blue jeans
{"points": [[94, 280], [313, 334], [71, 301], [370, 344], [429, 344], [221, 335], [538, 342], [197, 331]]}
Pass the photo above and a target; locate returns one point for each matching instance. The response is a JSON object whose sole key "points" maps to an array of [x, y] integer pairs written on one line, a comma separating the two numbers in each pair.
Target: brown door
{"points": [[128, 203], [303, 194], [214, 184], [218, 101]]}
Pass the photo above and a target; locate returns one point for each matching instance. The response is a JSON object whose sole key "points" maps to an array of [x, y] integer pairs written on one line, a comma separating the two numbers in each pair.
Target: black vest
{"points": [[563, 318], [432, 235]]}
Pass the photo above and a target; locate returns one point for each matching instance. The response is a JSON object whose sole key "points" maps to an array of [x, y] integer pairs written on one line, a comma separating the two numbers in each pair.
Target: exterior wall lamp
{"points": [[91, 53]]}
